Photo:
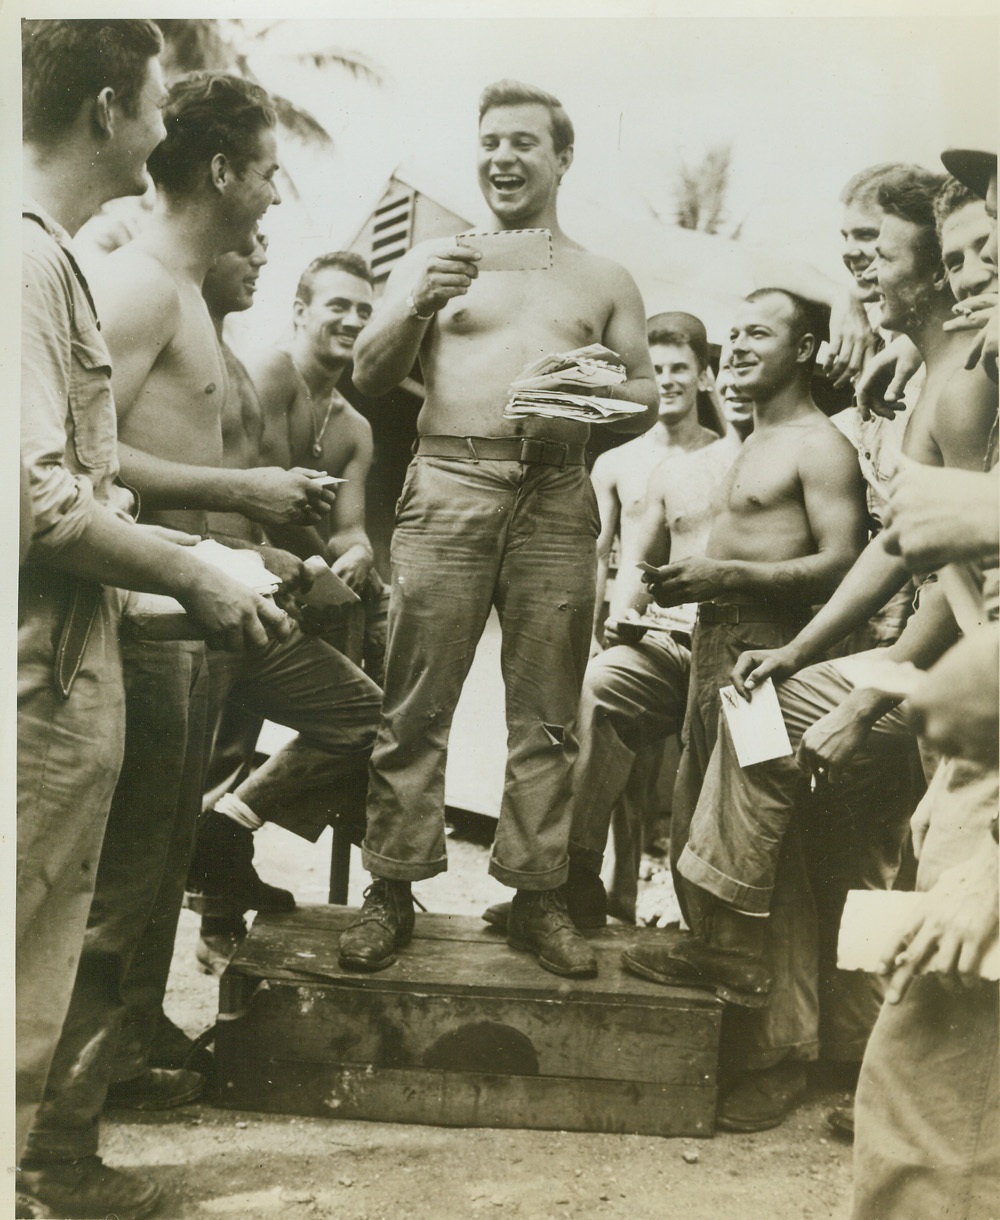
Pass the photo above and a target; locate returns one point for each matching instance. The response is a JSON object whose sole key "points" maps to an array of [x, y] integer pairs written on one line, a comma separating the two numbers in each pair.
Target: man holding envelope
{"points": [[495, 511]]}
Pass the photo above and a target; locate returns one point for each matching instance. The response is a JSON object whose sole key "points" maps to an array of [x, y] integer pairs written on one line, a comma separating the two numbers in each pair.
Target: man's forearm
{"points": [[114, 552], [807, 580], [387, 349], [301, 540], [636, 389], [165, 484], [866, 588]]}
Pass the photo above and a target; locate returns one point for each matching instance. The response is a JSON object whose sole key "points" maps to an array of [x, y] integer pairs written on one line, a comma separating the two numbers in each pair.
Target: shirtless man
{"points": [[168, 376], [309, 422], [634, 693], [92, 97], [845, 735], [789, 521], [494, 512], [305, 684]]}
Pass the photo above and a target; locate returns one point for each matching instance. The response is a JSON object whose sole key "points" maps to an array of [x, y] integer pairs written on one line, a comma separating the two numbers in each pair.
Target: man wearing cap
{"points": [[493, 512], [928, 1102]]}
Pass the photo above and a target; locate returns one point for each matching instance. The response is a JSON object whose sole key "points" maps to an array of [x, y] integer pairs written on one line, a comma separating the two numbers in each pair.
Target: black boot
{"points": [[728, 959], [539, 923], [222, 879], [385, 925]]}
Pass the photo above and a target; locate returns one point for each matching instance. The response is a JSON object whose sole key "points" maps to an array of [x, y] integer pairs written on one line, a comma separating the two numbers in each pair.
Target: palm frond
{"points": [[298, 122]]}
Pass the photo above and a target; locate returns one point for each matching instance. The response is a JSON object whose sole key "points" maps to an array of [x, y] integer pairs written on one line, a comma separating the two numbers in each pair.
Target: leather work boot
{"points": [[86, 1188], [539, 923], [222, 879], [385, 925], [763, 1099], [585, 896], [172, 1048], [736, 976], [219, 938], [157, 1089]]}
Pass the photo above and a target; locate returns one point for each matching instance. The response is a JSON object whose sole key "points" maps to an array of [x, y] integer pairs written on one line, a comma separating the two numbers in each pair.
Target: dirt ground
{"points": [[249, 1166]]}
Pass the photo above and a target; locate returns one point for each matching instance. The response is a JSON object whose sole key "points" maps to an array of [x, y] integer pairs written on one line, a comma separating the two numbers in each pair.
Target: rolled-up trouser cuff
{"points": [[749, 899], [551, 879], [401, 870]]}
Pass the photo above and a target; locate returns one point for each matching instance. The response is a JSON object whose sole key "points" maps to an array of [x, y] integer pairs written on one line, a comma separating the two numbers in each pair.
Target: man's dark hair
{"points": [[910, 195], [863, 187], [680, 329], [952, 196], [338, 260], [808, 317], [65, 64], [514, 93], [208, 113]]}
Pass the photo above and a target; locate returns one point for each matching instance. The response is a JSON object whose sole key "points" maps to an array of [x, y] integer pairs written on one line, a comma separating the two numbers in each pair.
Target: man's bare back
{"points": [[169, 375]]}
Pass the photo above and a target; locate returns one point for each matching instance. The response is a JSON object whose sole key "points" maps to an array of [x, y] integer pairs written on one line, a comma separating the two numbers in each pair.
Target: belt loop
{"points": [[472, 450]]}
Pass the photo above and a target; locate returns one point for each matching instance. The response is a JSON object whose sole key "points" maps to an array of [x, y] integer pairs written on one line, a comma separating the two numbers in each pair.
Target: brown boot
{"points": [[728, 963], [539, 923], [585, 896], [385, 925], [87, 1188], [763, 1099]]}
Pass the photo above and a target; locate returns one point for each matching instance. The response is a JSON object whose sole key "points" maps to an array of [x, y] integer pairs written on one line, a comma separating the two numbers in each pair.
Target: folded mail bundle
{"points": [[584, 408], [581, 371]]}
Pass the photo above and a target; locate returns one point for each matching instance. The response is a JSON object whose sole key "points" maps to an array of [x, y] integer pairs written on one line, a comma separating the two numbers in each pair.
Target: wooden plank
{"points": [[461, 1032], [467, 1099], [449, 953]]}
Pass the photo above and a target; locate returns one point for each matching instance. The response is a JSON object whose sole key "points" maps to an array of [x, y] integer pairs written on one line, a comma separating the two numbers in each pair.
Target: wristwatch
{"points": [[411, 305]]}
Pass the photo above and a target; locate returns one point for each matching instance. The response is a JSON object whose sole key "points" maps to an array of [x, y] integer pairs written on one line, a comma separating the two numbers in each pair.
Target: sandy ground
{"points": [[249, 1166]]}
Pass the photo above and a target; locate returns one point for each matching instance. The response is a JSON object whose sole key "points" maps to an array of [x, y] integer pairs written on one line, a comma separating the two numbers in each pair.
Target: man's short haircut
{"points": [[952, 196], [863, 187], [910, 196], [208, 113], [680, 329], [337, 260], [65, 64], [808, 317], [515, 93]]}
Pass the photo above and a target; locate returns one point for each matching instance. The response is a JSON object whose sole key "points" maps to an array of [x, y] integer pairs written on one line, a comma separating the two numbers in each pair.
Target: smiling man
{"points": [[308, 421], [213, 175], [788, 521], [850, 738], [494, 512]]}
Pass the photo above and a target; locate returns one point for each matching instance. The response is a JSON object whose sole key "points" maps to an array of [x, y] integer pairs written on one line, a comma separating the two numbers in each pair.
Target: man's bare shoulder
{"points": [[129, 278], [274, 373], [823, 449], [615, 463]]}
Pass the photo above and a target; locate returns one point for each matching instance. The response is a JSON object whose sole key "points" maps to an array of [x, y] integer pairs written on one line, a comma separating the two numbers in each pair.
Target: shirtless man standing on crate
{"points": [[494, 512]]}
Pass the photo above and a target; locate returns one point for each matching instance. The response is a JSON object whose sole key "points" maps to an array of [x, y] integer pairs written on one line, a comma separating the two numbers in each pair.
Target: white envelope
{"points": [[757, 728]]}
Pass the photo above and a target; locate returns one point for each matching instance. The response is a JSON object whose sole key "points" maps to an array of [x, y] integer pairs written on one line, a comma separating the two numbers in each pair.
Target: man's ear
{"points": [[220, 171], [941, 278], [808, 347], [103, 119], [565, 160], [298, 307]]}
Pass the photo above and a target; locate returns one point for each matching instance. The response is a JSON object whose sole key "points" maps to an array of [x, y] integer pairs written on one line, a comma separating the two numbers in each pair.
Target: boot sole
{"points": [[589, 923], [741, 999], [578, 972]]}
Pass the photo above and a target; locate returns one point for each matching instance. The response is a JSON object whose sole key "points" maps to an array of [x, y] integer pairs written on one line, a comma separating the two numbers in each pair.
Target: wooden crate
{"points": [[461, 1031]]}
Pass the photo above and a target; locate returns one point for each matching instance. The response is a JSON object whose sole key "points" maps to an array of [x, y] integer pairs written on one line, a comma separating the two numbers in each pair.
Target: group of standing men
{"points": [[741, 543]]}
